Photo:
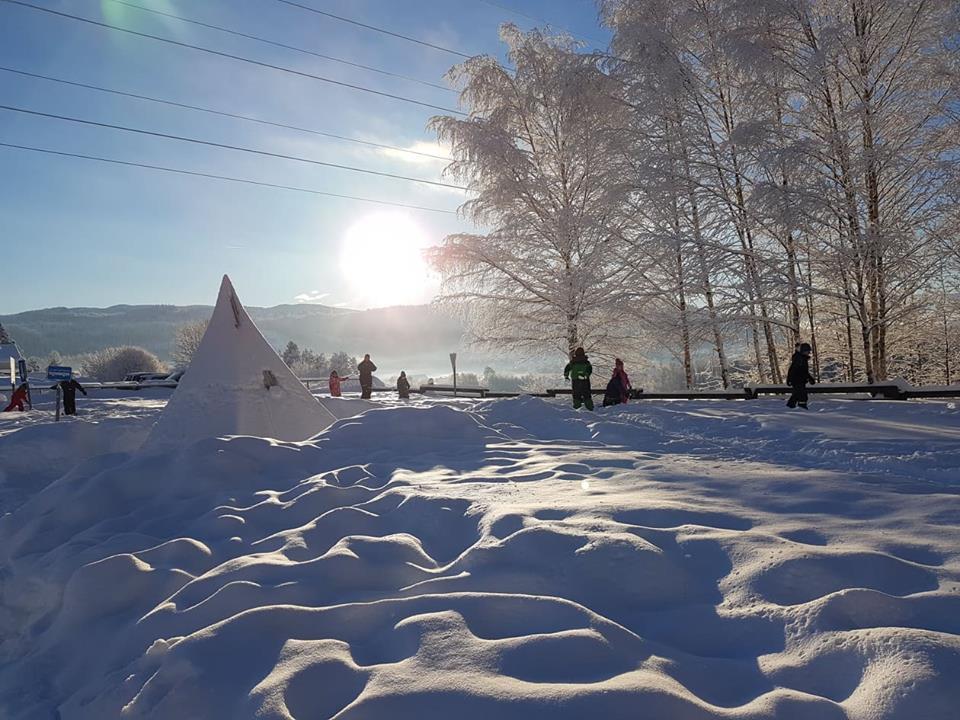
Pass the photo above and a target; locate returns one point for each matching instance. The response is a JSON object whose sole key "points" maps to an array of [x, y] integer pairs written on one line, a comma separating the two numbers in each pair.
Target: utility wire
{"points": [[537, 19], [224, 146], [231, 56], [375, 28], [236, 116], [236, 33], [192, 173]]}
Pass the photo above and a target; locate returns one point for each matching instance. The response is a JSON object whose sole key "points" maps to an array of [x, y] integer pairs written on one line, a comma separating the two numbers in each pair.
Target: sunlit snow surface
{"points": [[497, 559]]}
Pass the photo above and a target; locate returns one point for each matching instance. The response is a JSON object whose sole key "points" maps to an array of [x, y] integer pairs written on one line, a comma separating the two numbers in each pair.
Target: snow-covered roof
{"points": [[237, 385]]}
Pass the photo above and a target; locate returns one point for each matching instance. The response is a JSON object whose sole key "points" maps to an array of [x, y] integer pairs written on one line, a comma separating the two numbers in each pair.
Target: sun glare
{"points": [[382, 258]]}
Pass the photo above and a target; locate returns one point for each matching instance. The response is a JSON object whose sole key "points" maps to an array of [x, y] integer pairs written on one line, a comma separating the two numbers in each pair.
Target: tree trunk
{"points": [[811, 316], [871, 176], [946, 330], [684, 320], [573, 341], [708, 292], [702, 257], [852, 370]]}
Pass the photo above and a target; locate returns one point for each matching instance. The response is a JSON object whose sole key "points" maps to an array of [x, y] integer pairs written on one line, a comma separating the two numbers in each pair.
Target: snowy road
{"points": [[508, 559]]}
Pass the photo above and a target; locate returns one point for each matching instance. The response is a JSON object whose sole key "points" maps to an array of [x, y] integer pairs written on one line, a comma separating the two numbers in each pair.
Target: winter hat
{"points": [[805, 348], [579, 354]]}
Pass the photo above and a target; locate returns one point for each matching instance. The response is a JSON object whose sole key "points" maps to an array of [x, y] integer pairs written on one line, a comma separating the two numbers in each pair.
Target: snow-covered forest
{"points": [[728, 176]]}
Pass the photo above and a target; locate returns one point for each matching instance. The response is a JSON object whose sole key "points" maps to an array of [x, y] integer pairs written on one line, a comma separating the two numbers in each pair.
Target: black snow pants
{"points": [[70, 403], [799, 396], [365, 390], [582, 394]]}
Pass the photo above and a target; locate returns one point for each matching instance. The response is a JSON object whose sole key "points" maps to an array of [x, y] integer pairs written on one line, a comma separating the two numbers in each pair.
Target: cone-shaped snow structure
{"points": [[237, 385]]}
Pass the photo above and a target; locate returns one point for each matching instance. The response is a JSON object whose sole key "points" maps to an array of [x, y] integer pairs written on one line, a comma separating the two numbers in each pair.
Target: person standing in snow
{"points": [[799, 375], [334, 383], [619, 387], [366, 369], [579, 370], [403, 386], [69, 389]]}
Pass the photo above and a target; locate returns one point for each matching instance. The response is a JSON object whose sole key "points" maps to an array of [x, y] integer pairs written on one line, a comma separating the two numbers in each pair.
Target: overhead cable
{"points": [[374, 28], [537, 19], [231, 56], [285, 46], [236, 116], [226, 178], [226, 146]]}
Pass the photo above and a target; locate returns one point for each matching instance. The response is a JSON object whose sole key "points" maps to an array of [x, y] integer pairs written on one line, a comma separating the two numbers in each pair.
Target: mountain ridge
{"points": [[416, 335]]}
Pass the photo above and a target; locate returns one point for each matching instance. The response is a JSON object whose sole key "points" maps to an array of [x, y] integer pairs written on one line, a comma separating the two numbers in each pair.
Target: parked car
{"points": [[140, 377]]}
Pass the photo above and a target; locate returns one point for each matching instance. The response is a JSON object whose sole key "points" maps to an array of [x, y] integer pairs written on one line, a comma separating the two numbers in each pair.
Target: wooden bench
{"points": [[890, 391], [466, 391], [732, 394], [553, 392], [920, 393]]}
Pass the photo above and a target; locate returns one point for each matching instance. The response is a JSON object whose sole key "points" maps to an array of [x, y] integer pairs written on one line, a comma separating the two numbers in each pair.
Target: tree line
{"points": [[307, 363], [113, 363], [727, 175]]}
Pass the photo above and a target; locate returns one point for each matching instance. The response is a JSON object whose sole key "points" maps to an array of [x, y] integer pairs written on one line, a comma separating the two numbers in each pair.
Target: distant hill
{"points": [[416, 337]]}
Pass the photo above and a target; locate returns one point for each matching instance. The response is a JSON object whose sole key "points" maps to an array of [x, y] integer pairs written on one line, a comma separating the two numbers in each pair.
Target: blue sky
{"points": [[97, 235]]}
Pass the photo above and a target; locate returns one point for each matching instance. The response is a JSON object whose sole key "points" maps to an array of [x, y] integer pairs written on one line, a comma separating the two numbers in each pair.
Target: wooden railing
{"points": [[885, 390]]}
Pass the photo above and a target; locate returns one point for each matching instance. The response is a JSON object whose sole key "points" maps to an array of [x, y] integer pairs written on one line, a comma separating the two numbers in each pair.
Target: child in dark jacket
{"points": [[579, 370], [403, 386], [799, 375]]}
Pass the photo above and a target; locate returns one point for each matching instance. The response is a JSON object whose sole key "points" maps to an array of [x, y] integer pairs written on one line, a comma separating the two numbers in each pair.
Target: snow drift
{"points": [[509, 559]]}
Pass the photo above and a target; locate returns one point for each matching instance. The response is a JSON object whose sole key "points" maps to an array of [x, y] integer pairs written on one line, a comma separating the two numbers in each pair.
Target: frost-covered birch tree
{"points": [[729, 179], [825, 131], [541, 153]]}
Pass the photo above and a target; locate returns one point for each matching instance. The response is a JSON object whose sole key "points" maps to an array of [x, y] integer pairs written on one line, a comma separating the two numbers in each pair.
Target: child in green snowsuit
{"points": [[579, 370]]}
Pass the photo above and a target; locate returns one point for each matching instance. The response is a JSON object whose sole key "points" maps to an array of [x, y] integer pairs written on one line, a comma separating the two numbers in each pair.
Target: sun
{"points": [[382, 259]]}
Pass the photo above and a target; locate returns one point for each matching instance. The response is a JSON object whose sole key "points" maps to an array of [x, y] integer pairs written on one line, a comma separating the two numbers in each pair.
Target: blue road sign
{"points": [[59, 372]]}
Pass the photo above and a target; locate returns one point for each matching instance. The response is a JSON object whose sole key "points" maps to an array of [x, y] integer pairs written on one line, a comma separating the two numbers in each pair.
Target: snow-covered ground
{"points": [[487, 559]]}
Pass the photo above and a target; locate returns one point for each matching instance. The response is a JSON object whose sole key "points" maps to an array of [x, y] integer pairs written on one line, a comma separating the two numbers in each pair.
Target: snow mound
{"points": [[496, 559], [340, 407], [394, 429], [237, 385]]}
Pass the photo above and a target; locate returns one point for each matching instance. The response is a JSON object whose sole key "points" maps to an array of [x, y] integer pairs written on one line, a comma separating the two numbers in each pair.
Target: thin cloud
{"points": [[420, 146], [310, 298]]}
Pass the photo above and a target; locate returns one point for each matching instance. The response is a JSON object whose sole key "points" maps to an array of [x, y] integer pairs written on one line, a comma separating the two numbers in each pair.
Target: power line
{"points": [[256, 38], [224, 146], [231, 56], [535, 18], [235, 116], [375, 28], [245, 181]]}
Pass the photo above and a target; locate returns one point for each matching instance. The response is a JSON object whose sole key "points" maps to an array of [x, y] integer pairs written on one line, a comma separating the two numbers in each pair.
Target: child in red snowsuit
{"points": [[17, 399], [625, 386], [334, 383], [618, 389]]}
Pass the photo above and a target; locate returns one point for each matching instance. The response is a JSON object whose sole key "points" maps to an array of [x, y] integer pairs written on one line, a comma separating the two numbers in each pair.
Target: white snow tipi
{"points": [[237, 385]]}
